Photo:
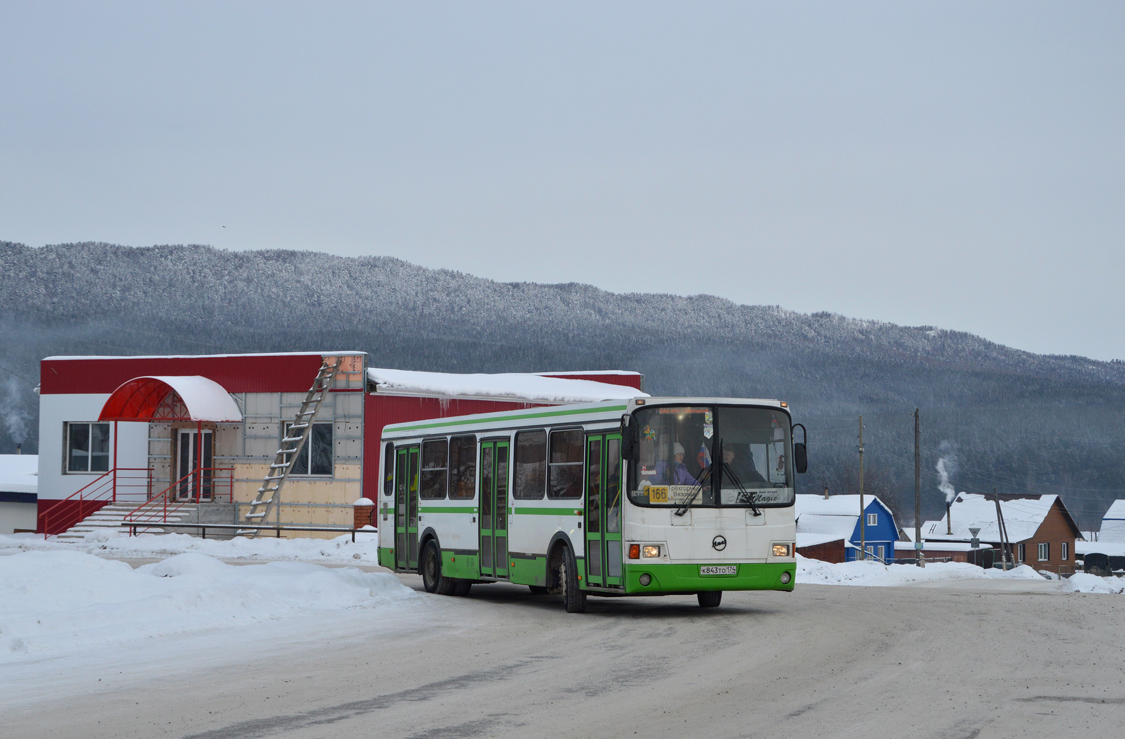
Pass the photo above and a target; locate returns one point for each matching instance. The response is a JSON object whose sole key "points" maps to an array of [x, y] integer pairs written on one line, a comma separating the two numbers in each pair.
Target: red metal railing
{"points": [[129, 483], [207, 484]]}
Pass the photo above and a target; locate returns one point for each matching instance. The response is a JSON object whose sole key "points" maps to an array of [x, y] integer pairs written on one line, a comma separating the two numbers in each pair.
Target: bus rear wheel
{"points": [[430, 566], [574, 598], [710, 599]]}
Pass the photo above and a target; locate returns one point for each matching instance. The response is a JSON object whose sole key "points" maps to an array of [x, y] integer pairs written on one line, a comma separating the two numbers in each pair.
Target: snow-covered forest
{"points": [[1010, 419]]}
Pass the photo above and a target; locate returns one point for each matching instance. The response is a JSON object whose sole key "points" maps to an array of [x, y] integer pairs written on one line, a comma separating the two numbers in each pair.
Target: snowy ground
{"points": [[69, 608]]}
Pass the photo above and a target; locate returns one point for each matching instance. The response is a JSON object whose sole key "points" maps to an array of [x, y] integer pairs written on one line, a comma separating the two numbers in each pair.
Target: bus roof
{"points": [[604, 411]]}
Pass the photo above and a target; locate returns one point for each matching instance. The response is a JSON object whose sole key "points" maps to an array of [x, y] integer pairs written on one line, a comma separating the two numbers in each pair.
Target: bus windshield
{"points": [[677, 445]]}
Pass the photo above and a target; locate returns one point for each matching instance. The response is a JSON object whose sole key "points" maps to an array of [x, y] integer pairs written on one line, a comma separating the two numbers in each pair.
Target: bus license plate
{"points": [[718, 569]]}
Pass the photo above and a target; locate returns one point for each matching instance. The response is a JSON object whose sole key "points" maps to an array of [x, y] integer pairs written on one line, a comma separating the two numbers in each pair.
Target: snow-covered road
{"points": [[135, 648]]}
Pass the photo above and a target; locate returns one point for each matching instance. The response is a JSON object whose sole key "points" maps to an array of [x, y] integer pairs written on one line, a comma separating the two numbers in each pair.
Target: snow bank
{"points": [[1085, 583], [55, 603], [813, 571], [340, 550]]}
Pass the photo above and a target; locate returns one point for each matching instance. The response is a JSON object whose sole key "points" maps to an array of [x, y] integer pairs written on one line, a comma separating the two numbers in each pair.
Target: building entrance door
{"points": [[194, 453]]}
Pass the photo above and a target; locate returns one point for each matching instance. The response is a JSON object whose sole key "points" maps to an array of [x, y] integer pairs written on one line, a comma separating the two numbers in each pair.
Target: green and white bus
{"points": [[649, 496]]}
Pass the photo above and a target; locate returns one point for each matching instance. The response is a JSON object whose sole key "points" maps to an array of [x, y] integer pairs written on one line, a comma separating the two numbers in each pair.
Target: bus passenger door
{"points": [[494, 508], [406, 508], [603, 510]]}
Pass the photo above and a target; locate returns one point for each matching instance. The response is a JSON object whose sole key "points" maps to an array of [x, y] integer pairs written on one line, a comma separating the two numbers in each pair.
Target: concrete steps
{"points": [[111, 517]]}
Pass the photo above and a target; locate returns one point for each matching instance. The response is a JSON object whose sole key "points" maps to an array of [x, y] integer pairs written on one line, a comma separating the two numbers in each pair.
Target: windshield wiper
{"points": [[696, 489], [744, 495]]}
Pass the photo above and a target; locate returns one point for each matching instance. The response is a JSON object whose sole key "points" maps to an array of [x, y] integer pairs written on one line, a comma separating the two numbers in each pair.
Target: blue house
{"points": [[822, 521]]}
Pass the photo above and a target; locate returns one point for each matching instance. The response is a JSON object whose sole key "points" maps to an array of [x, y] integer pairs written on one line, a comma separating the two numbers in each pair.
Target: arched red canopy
{"points": [[171, 398]]}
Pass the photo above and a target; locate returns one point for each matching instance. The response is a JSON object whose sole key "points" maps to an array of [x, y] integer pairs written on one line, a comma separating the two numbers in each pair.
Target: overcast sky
{"points": [[954, 164]]}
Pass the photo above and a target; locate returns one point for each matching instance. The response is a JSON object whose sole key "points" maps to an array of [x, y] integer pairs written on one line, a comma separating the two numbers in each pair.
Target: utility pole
{"points": [[862, 513], [918, 490]]}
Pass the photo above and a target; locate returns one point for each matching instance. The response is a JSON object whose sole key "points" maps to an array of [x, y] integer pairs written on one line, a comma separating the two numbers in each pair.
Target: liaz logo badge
{"points": [[719, 543]]}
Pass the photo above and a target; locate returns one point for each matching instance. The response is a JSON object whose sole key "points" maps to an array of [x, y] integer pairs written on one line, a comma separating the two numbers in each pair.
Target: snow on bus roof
{"points": [[516, 386]]}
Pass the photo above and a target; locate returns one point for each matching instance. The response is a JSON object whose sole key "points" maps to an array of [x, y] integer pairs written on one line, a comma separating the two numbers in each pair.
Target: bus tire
{"points": [[461, 587], [537, 589], [430, 567], [574, 598], [710, 599]]}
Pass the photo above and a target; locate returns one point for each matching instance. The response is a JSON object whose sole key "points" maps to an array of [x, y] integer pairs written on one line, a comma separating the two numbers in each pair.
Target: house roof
{"points": [[811, 540], [514, 386], [1022, 518], [19, 473], [1101, 546], [939, 546], [837, 505], [1116, 511], [838, 527]]}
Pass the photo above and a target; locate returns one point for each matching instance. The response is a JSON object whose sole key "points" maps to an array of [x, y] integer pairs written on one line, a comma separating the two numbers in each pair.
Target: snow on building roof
{"points": [[1101, 546], [811, 540], [1116, 510], [519, 387], [840, 527], [1022, 518], [837, 505], [1113, 523], [19, 473]]}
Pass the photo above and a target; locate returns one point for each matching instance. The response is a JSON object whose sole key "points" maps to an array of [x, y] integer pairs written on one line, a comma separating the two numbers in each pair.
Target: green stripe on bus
{"points": [[471, 421], [446, 509], [548, 511]]}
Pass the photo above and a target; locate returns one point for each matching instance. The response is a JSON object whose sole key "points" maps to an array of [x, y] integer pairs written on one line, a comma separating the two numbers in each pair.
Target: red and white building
{"points": [[203, 430]]}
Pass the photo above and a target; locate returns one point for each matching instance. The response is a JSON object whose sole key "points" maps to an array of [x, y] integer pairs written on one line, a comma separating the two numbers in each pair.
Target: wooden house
{"points": [[1041, 531]]}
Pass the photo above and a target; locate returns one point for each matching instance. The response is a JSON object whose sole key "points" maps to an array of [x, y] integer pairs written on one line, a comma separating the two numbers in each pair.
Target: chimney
{"points": [[19, 450], [948, 518], [826, 491]]}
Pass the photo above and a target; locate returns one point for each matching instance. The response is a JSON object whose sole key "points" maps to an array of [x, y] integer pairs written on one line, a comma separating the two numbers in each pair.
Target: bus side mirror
{"points": [[800, 452], [628, 438]]}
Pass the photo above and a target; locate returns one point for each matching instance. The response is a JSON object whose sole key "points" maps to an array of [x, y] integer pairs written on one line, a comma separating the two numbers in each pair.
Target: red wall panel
{"points": [[380, 410], [248, 373]]}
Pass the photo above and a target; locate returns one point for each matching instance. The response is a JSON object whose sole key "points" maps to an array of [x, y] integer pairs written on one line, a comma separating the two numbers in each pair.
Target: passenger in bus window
{"points": [[674, 472], [744, 469]]}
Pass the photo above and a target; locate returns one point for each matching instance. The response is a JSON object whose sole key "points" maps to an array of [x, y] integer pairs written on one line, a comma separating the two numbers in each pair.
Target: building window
{"points": [[315, 457], [1065, 551], [87, 447], [435, 457], [872, 519], [1022, 552], [1044, 552]]}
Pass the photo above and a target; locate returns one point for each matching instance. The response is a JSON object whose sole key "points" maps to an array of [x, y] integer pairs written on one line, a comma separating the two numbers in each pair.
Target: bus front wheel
{"points": [[710, 599]]}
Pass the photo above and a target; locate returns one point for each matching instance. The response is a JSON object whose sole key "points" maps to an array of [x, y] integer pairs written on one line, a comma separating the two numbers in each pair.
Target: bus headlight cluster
{"points": [[781, 550], [651, 550]]}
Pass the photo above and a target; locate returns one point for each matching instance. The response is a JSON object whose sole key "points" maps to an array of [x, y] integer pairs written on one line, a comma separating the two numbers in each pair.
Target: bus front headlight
{"points": [[651, 550], [781, 550]]}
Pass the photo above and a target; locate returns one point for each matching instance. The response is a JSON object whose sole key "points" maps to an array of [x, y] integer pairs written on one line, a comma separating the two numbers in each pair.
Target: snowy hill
{"points": [[1034, 420]]}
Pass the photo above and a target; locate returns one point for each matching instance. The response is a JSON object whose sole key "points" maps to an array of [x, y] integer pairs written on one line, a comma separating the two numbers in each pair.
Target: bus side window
{"points": [[564, 471], [531, 465], [462, 467], [389, 470], [435, 457]]}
